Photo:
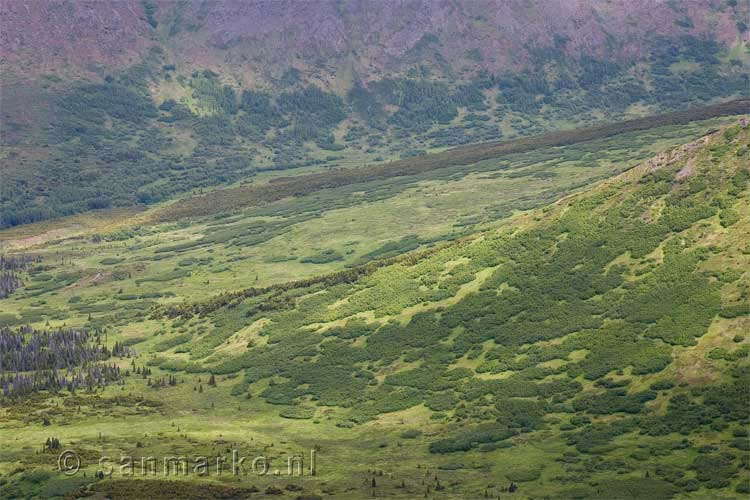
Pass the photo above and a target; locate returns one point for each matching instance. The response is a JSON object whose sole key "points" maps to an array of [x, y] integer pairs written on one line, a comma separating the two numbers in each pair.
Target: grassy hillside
{"points": [[596, 347]]}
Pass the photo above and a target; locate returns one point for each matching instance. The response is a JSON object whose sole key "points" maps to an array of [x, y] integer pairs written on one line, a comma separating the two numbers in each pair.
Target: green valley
{"points": [[598, 343], [343, 249]]}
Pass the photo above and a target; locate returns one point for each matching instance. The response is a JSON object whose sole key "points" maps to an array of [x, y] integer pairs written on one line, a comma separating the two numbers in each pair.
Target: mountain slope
{"points": [[261, 40], [597, 347], [604, 320]]}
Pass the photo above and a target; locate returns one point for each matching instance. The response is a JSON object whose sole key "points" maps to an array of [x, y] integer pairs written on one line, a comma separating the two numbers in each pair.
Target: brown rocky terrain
{"points": [[263, 39]]}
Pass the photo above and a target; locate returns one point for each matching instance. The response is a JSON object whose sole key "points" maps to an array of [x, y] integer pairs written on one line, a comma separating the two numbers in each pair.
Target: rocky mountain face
{"points": [[328, 40]]}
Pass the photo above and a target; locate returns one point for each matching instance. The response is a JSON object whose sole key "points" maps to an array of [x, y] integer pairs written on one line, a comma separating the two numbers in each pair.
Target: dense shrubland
{"points": [[111, 144], [564, 316]]}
